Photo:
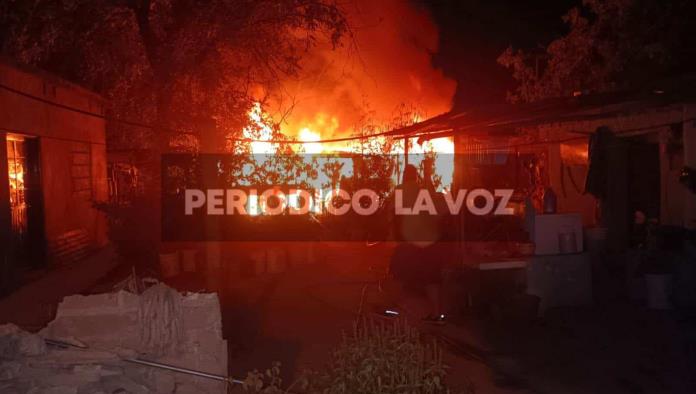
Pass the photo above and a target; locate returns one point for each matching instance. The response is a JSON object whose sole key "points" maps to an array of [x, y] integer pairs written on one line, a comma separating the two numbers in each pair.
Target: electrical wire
{"points": [[73, 109], [330, 140], [151, 127]]}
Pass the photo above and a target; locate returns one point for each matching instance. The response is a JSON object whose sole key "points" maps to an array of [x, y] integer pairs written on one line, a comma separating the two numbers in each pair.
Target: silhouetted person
{"points": [[418, 259]]}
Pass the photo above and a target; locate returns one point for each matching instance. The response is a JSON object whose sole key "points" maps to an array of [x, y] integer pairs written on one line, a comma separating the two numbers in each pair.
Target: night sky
{"points": [[473, 33]]}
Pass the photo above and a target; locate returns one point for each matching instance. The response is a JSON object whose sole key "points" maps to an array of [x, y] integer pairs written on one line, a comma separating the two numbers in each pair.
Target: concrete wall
{"points": [[6, 268], [72, 147]]}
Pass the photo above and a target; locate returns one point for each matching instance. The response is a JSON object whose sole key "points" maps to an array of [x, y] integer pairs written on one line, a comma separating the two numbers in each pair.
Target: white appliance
{"points": [[548, 229]]}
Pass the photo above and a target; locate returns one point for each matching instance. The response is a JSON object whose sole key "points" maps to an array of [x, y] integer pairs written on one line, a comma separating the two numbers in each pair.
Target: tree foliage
{"points": [[610, 45], [376, 357], [175, 63]]}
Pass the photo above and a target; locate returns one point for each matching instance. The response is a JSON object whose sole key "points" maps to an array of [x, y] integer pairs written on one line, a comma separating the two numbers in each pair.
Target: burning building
{"points": [[52, 170]]}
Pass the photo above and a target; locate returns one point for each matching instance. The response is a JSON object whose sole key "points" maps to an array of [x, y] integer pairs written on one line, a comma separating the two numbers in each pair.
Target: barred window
{"points": [[81, 170]]}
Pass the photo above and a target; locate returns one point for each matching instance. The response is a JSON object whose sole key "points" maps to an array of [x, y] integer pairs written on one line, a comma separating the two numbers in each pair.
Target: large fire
{"points": [[383, 79], [381, 75], [260, 129], [307, 134]]}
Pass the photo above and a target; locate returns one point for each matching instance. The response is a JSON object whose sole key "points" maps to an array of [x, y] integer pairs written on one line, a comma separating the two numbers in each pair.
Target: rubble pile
{"points": [[86, 348]]}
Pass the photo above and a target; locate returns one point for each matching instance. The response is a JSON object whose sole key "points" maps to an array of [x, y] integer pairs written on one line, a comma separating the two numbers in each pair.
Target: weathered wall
{"points": [[72, 147], [6, 277], [570, 199]]}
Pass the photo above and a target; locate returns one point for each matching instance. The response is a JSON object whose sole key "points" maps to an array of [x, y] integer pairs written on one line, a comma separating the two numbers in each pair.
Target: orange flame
{"points": [[384, 66]]}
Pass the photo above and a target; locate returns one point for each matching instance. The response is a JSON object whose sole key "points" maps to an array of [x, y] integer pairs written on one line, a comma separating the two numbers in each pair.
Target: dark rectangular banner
{"points": [[335, 197]]}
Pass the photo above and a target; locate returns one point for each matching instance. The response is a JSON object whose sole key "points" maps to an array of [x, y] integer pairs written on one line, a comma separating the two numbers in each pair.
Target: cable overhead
{"points": [[73, 109], [431, 134], [152, 127]]}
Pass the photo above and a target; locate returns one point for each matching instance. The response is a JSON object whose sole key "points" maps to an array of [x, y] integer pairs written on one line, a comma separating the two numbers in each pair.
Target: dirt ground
{"points": [[297, 316]]}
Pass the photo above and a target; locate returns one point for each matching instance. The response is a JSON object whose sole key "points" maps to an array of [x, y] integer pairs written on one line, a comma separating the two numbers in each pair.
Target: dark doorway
{"points": [[644, 178], [27, 244]]}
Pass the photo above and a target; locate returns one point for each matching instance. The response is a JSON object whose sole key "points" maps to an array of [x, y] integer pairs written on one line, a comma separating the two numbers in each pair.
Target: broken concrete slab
{"points": [[9, 370], [15, 342], [110, 331], [116, 384], [106, 321], [55, 390], [201, 311], [111, 326], [70, 357], [98, 304]]}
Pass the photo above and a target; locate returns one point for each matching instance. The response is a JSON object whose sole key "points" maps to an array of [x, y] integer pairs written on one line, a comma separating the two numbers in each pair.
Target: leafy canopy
{"points": [[170, 62], [610, 45]]}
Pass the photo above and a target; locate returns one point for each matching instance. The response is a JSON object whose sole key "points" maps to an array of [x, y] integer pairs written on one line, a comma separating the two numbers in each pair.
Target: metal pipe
{"points": [[63, 344], [183, 370]]}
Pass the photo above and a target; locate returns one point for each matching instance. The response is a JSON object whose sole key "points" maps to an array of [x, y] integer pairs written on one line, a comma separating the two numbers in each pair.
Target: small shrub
{"points": [[376, 357], [380, 357], [266, 383]]}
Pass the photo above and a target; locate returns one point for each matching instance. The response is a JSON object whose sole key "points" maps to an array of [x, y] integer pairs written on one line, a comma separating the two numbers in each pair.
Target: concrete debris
{"points": [[15, 343], [102, 331], [70, 357], [160, 320]]}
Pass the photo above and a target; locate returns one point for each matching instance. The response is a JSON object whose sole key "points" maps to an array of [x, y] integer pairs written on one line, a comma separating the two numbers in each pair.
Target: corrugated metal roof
{"points": [[506, 117]]}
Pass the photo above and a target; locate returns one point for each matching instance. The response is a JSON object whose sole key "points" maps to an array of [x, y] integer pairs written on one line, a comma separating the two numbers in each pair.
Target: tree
{"points": [[188, 67], [610, 45], [183, 65], [331, 168]]}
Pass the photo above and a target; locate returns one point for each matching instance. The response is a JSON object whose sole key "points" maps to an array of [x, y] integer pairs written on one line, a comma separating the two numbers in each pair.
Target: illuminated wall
{"points": [[71, 150]]}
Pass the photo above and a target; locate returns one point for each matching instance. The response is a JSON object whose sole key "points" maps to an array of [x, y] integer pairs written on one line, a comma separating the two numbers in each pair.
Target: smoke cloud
{"points": [[387, 64]]}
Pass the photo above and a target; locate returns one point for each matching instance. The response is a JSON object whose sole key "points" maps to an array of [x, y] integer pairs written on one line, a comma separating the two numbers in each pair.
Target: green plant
{"points": [[266, 383], [376, 357], [381, 357]]}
